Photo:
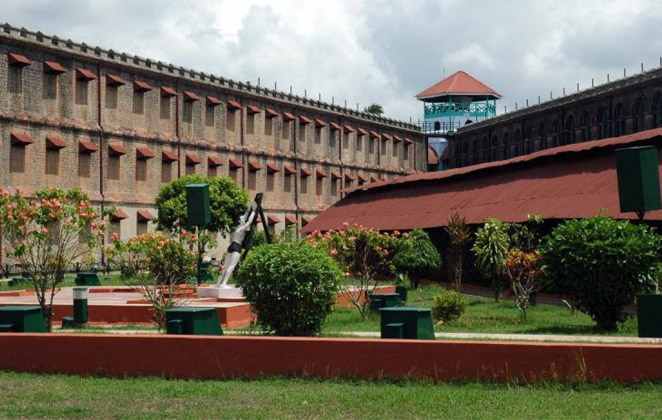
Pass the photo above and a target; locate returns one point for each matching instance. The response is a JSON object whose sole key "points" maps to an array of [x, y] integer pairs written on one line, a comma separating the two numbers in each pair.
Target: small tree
{"points": [[602, 265], [160, 263], [291, 285], [227, 203], [416, 256], [523, 270], [365, 254], [46, 235], [374, 109], [459, 235], [491, 249]]}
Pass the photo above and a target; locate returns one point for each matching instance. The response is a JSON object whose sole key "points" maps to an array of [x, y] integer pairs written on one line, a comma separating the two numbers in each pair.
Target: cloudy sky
{"points": [[366, 51]]}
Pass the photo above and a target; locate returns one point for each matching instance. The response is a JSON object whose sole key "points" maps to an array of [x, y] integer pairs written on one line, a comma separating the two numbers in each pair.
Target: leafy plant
{"points": [[448, 306], [525, 274], [601, 264], [160, 264], [46, 233], [365, 254], [416, 255], [459, 235], [292, 286], [226, 200], [491, 248]]}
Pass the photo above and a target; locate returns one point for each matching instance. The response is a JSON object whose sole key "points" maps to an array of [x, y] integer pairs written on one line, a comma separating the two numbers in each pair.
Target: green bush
{"points": [[448, 306], [227, 201], [491, 249], [292, 286], [416, 256], [602, 265]]}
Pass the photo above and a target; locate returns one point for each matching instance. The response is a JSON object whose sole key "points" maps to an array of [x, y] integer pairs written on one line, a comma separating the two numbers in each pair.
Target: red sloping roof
{"points": [[272, 168], [192, 158], [114, 80], [169, 156], [144, 215], [54, 67], [433, 158], [85, 74], [214, 160], [190, 96], [271, 113], [233, 105], [235, 163], [272, 220], [213, 100], [119, 214], [86, 145], [144, 152], [459, 83], [289, 169], [168, 91], [141, 86], [54, 141], [290, 219], [570, 184], [252, 109], [254, 166], [116, 149], [18, 59]]}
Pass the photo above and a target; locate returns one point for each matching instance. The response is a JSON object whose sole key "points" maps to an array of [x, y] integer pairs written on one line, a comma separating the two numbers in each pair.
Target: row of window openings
{"points": [[50, 92], [17, 165]]}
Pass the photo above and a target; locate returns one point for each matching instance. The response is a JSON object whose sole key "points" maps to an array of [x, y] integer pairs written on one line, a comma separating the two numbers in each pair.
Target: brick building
{"points": [[119, 126], [628, 105]]}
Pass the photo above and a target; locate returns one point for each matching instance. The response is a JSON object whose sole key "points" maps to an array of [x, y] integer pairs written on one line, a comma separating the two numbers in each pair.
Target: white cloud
{"points": [[366, 51]]}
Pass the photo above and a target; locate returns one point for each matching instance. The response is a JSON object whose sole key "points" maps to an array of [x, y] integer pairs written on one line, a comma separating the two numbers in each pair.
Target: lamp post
{"points": [[198, 215]]}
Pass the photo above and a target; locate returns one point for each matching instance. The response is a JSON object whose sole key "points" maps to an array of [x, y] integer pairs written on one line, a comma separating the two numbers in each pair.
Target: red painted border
{"points": [[229, 357]]}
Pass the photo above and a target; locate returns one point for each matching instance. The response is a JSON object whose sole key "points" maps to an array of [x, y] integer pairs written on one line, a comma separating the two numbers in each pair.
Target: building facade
{"points": [[620, 107], [118, 127]]}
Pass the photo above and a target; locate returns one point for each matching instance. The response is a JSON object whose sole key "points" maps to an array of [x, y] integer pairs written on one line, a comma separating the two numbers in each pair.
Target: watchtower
{"points": [[455, 101]]}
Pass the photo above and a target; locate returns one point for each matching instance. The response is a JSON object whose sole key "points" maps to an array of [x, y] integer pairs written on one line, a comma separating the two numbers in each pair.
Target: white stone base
{"points": [[223, 292]]}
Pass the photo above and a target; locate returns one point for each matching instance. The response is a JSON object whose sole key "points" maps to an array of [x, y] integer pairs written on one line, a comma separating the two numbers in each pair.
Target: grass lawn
{"points": [[483, 315], [112, 279], [30, 396]]}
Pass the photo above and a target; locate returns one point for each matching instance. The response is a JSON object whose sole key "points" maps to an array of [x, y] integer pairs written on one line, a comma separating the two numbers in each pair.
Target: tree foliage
{"points": [[365, 254], [227, 201], [48, 233], [416, 256], [459, 235], [491, 248], [374, 109], [602, 264], [291, 285]]}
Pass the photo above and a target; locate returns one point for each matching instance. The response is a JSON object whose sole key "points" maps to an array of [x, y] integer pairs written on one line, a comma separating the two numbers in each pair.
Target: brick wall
{"points": [[138, 115]]}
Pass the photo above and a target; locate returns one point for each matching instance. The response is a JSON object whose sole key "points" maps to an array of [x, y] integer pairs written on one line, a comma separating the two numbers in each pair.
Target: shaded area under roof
{"points": [[459, 83], [573, 181]]}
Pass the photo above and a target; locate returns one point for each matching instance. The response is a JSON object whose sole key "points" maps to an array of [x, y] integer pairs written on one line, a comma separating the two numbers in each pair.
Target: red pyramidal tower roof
{"points": [[459, 83]]}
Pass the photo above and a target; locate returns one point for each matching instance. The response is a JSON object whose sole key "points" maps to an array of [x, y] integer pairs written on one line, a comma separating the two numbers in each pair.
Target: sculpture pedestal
{"points": [[222, 293]]}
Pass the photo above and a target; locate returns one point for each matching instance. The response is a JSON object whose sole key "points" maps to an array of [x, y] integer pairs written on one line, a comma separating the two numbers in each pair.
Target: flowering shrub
{"points": [[158, 263], [365, 254], [524, 271], [47, 232]]}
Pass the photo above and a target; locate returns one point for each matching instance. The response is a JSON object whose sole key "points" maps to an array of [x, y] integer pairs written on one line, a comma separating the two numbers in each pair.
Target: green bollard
{"points": [[80, 305]]}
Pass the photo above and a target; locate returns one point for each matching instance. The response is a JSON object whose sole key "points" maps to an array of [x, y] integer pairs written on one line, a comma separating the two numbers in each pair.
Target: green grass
{"points": [[56, 396], [483, 315], [112, 279]]}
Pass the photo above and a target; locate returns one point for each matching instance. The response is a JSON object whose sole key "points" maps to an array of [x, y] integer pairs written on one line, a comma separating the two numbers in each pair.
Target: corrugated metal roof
{"points": [[577, 180]]}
